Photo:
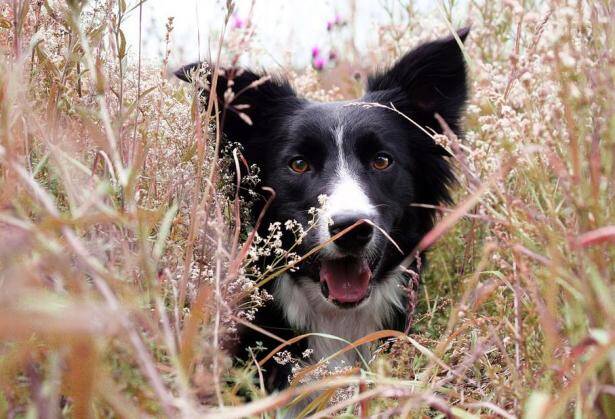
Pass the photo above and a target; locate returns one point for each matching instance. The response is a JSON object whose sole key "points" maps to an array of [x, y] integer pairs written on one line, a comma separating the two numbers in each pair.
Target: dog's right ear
{"points": [[250, 103], [189, 72]]}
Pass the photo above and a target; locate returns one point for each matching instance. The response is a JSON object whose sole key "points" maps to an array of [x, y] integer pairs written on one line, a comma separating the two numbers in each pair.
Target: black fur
{"points": [[430, 79]]}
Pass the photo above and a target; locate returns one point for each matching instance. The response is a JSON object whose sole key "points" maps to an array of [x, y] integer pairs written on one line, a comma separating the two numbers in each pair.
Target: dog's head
{"points": [[371, 162]]}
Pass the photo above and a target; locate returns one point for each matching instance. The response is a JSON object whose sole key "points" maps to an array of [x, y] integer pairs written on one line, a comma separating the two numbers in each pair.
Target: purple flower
{"points": [[332, 55], [238, 22], [315, 51], [330, 25], [318, 63], [338, 19]]}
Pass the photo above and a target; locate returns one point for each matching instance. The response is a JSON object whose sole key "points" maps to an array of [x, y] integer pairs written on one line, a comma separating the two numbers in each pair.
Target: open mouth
{"points": [[345, 282]]}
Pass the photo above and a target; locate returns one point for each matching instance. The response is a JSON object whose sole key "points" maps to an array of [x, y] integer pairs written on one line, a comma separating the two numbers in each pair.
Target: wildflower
{"points": [[283, 357], [315, 51], [238, 22], [322, 199], [307, 353], [274, 226], [318, 63]]}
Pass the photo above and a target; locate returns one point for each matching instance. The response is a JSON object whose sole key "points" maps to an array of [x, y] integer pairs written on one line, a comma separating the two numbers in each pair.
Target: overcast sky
{"points": [[281, 25]]}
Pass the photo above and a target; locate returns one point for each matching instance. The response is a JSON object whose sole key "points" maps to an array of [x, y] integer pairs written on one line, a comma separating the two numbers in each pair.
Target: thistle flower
{"points": [[318, 63], [238, 22]]}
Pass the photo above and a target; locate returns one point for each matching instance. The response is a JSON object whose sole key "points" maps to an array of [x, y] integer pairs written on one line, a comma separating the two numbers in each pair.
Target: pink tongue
{"points": [[347, 279]]}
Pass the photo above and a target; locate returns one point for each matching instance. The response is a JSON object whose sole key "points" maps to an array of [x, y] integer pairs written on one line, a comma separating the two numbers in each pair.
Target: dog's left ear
{"points": [[429, 79]]}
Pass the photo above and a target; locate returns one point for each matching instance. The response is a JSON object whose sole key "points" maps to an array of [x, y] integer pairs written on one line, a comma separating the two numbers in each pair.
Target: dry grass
{"points": [[124, 266]]}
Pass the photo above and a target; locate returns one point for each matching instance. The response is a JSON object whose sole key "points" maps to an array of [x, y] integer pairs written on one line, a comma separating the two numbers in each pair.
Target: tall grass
{"points": [[126, 264]]}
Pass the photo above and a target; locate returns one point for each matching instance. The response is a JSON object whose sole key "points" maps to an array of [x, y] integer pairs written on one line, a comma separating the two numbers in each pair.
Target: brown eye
{"points": [[299, 165], [382, 161]]}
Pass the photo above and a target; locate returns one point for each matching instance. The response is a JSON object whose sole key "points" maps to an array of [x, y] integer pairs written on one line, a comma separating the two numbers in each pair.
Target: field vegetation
{"points": [[127, 261]]}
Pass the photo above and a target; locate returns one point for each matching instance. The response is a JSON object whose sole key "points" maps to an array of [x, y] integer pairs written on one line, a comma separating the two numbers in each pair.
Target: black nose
{"points": [[354, 239]]}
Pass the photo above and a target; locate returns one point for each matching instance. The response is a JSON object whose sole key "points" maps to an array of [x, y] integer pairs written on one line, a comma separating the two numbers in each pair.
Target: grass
{"points": [[125, 262]]}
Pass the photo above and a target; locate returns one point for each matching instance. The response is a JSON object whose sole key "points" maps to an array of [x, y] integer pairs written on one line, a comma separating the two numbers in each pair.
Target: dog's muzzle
{"points": [[346, 280]]}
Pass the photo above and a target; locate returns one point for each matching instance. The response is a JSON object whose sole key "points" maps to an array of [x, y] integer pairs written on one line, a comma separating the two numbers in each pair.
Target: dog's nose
{"points": [[354, 239]]}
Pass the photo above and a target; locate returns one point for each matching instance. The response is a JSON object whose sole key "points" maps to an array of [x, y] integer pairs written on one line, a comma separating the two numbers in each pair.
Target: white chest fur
{"points": [[307, 310]]}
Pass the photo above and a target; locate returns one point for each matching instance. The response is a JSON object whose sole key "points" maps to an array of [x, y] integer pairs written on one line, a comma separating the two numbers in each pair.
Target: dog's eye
{"points": [[299, 165], [381, 161]]}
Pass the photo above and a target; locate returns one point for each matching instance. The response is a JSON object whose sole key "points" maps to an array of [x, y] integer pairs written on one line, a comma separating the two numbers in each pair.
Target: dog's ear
{"points": [[429, 79], [249, 103]]}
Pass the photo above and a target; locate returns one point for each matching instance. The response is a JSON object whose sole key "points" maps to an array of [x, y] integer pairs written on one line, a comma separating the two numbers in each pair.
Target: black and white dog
{"points": [[372, 164]]}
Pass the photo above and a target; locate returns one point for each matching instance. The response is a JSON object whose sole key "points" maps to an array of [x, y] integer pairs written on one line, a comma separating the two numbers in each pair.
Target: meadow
{"points": [[127, 262]]}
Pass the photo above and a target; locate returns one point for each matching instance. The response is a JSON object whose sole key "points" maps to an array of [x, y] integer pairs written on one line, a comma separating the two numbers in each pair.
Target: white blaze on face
{"points": [[347, 197]]}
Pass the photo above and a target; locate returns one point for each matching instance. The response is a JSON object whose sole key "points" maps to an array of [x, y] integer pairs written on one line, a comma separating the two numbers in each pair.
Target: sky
{"points": [[281, 26]]}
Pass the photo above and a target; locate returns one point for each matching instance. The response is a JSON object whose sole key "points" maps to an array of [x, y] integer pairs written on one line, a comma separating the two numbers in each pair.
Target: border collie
{"points": [[372, 163]]}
